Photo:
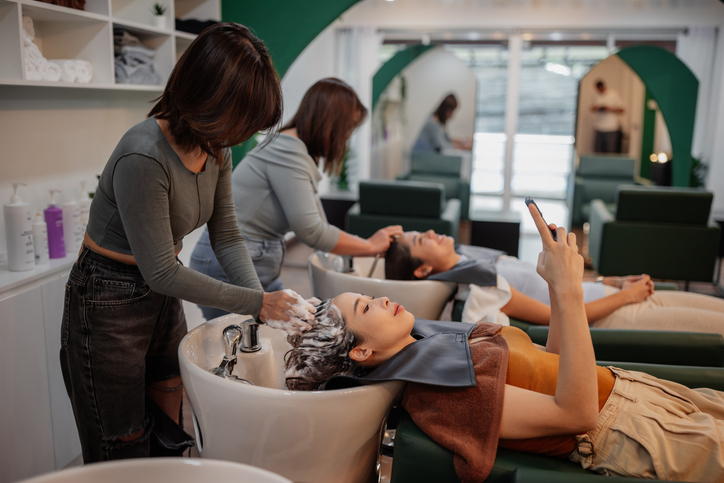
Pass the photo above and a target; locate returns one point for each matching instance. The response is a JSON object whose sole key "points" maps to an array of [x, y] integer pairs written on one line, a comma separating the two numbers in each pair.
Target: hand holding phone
{"points": [[528, 202]]}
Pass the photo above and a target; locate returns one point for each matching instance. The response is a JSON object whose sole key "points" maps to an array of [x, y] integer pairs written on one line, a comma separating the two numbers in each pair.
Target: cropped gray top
{"points": [[275, 190], [147, 201]]}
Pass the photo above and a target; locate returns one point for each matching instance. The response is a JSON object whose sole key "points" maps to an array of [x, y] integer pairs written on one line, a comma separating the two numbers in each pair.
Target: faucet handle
{"points": [[250, 336], [232, 336]]}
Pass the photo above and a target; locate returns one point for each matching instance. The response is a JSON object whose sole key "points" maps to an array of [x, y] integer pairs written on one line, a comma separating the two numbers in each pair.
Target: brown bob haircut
{"points": [[329, 112], [222, 90], [446, 108]]}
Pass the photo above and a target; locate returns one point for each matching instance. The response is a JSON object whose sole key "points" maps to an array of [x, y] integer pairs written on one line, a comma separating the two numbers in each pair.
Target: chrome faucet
{"points": [[248, 336], [231, 335]]}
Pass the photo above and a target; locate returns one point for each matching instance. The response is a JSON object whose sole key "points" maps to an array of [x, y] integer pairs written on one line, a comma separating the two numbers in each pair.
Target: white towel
{"points": [[28, 27], [83, 71], [50, 71], [31, 72], [68, 69]]}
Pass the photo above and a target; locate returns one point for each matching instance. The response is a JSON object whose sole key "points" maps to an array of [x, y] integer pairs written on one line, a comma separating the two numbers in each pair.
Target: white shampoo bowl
{"points": [[423, 298], [162, 470], [322, 436]]}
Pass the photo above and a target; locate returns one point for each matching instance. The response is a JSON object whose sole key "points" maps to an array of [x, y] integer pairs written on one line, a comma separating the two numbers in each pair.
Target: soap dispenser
{"points": [[54, 221], [40, 239], [19, 233]]}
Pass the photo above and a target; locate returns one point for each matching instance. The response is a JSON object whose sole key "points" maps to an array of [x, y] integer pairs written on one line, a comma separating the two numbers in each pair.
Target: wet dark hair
{"points": [[399, 262], [222, 90], [322, 351], [446, 108], [326, 119]]}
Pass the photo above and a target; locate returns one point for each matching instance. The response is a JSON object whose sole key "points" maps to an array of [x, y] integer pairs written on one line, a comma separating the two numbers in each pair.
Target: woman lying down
{"points": [[474, 387]]}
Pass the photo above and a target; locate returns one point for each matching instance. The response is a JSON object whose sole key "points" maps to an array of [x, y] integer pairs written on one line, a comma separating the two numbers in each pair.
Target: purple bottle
{"points": [[54, 220]]}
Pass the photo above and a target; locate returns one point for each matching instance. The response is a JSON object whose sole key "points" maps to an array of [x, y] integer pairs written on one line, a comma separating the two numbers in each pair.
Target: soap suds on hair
{"points": [[301, 315]]}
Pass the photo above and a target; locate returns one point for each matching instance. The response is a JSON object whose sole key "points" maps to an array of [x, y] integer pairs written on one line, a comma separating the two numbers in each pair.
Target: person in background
{"points": [[275, 188], [608, 108], [123, 318], [433, 137]]}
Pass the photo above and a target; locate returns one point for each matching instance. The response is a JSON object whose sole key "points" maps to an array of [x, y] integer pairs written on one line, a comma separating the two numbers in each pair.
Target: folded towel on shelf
{"points": [[193, 25], [139, 74], [133, 55], [68, 69], [28, 27], [32, 73], [50, 71], [83, 71]]}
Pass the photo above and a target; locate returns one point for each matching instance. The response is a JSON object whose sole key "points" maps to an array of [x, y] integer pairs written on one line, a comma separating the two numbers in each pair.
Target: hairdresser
{"points": [[170, 174], [275, 188], [433, 137]]}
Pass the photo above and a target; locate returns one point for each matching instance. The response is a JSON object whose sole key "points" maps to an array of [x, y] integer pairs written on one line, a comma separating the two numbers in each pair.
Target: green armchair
{"points": [[597, 177], [665, 232], [444, 169], [415, 205], [418, 459]]}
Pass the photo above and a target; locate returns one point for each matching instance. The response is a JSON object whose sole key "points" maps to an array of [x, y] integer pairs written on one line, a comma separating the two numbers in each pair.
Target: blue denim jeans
{"points": [[266, 254], [117, 337]]}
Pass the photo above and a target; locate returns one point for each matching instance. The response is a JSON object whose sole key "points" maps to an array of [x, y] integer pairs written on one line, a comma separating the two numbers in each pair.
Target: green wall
{"points": [[286, 27], [394, 66], [675, 88]]}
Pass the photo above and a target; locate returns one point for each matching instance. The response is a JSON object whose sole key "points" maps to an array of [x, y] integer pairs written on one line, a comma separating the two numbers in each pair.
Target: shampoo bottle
{"points": [[19, 233], [40, 239], [71, 225], [84, 203], [54, 221]]}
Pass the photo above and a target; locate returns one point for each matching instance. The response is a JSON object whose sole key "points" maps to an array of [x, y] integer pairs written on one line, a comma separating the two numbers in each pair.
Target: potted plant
{"points": [[159, 18]]}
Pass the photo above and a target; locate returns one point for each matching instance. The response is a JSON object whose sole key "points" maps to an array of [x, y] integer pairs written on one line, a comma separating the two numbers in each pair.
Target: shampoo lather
{"points": [[54, 221], [19, 233]]}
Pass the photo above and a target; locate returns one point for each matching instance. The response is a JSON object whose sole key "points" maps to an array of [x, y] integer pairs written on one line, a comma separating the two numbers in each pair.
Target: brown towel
{"points": [[467, 420]]}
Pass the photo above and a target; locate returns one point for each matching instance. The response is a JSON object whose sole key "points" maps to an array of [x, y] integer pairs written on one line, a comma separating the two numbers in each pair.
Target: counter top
{"points": [[11, 280]]}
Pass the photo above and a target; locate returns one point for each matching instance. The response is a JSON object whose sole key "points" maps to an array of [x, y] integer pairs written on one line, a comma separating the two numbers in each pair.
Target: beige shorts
{"points": [[652, 428]]}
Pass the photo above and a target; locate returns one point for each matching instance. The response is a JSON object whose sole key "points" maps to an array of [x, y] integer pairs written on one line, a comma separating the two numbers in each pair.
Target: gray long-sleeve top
{"points": [[275, 190], [147, 201]]}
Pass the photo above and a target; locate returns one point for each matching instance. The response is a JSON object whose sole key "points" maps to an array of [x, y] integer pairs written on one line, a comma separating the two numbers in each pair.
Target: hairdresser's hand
{"points": [[638, 290], [288, 311], [559, 263], [380, 241]]}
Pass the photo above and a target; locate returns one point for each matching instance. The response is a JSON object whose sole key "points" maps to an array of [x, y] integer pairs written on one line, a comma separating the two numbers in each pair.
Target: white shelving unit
{"points": [[67, 33]]}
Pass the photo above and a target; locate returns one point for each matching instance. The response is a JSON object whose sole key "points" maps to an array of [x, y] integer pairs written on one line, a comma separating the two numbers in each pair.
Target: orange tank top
{"points": [[533, 369]]}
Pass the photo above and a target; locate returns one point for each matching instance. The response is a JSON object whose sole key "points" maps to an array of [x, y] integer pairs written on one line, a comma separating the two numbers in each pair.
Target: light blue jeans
{"points": [[266, 254]]}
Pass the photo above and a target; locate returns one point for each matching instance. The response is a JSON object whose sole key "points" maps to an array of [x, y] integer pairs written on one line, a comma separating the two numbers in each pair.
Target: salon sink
{"points": [[423, 298], [161, 470], [320, 436]]}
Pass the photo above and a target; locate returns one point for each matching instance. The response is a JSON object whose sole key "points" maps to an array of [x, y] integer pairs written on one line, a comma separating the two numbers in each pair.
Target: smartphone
{"points": [[528, 202]]}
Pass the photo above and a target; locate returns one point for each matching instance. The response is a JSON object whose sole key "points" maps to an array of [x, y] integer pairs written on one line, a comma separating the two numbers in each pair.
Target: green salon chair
{"points": [[444, 169], [597, 177], [665, 232], [418, 459], [416, 205]]}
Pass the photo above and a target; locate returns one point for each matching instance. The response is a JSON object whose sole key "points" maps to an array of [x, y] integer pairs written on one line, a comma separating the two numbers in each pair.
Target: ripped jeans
{"points": [[117, 337]]}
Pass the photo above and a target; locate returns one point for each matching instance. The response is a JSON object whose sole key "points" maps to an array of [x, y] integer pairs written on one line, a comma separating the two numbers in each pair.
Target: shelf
{"points": [[67, 33], [12, 280]]}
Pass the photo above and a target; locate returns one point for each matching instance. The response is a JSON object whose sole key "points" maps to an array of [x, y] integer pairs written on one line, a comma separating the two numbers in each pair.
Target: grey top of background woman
{"points": [[433, 137], [276, 186]]}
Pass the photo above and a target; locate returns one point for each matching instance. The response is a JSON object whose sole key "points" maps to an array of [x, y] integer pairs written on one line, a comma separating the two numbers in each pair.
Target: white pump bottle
{"points": [[19, 233]]}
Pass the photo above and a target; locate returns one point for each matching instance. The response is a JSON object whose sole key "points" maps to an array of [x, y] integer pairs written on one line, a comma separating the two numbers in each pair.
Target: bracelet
{"points": [[599, 279]]}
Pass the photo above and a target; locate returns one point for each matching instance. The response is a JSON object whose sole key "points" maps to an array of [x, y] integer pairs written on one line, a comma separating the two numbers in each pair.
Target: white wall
{"points": [[55, 137]]}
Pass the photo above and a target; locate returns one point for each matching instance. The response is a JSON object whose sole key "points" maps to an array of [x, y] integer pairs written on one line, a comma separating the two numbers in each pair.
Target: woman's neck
{"points": [[194, 160], [292, 131], [448, 263]]}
